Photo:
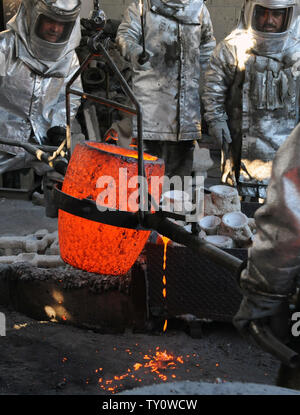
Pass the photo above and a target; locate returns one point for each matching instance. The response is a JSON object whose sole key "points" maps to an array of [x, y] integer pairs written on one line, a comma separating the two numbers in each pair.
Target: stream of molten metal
{"points": [[164, 291]]}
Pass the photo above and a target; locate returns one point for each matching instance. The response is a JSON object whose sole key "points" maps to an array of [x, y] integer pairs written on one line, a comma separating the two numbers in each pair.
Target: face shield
{"points": [[53, 31], [269, 23], [271, 20], [51, 26]]}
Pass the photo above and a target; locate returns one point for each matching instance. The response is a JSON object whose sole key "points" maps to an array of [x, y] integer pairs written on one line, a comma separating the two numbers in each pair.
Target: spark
{"points": [[158, 363], [137, 366]]}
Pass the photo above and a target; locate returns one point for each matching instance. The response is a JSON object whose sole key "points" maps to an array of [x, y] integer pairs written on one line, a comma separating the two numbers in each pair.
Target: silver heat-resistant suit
{"points": [[252, 83], [33, 77], [273, 268], [179, 39], [270, 87]]}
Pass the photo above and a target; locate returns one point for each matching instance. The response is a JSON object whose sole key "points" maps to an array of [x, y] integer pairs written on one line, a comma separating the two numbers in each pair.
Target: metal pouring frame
{"points": [[96, 45]]}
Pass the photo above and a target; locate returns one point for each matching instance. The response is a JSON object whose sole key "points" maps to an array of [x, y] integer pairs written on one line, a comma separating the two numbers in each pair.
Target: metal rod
{"points": [[41, 153], [180, 235], [30, 148], [104, 101], [68, 120], [267, 341], [144, 56], [142, 26], [68, 93]]}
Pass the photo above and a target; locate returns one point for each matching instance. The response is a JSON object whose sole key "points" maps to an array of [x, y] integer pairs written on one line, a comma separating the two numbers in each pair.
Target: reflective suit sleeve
{"points": [[274, 259], [129, 32], [208, 41], [217, 80], [59, 111]]}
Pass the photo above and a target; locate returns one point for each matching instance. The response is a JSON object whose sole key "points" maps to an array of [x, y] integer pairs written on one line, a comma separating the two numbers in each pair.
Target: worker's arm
{"points": [[130, 32], [274, 259], [219, 76], [208, 41], [59, 110]]}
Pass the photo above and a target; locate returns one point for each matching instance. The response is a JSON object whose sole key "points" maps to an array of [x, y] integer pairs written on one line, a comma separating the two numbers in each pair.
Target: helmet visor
{"points": [[271, 20], [53, 31]]}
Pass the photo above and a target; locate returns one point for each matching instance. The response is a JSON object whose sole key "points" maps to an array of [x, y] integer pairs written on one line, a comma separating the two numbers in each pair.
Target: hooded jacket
{"points": [[257, 92], [32, 92], [179, 38]]}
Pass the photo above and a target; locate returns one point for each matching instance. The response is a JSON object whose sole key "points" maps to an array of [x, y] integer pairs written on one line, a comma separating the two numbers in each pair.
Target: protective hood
{"points": [[183, 11], [268, 40], [37, 52]]}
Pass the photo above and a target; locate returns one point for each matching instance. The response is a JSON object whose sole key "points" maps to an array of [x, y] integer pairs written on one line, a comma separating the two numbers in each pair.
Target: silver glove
{"points": [[220, 132], [135, 54]]}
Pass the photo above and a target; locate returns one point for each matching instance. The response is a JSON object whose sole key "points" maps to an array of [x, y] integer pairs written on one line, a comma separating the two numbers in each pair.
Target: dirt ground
{"points": [[46, 358]]}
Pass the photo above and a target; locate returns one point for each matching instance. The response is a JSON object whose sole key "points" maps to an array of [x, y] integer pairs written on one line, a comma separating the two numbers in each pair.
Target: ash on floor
{"points": [[44, 358]]}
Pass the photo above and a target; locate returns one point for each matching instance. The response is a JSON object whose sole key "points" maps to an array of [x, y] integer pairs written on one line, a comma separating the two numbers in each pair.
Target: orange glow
{"points": [[165, 325], [108, 148], [92, 246], [160, 364], [157, 365], [165, 242], [161, 360]]}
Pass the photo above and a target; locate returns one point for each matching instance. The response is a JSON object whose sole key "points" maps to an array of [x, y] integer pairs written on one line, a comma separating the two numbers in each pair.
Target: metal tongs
{"points": [[51, 155]]}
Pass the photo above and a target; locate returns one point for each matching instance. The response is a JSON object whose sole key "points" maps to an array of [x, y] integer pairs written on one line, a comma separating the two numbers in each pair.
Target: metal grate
{"points": [[195, 284]]}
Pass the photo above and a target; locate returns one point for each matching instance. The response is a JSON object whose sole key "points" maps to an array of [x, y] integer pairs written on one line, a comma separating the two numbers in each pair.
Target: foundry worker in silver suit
{"points": [[271, 277], [251, 92], [179, 39], [37, 59]]}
